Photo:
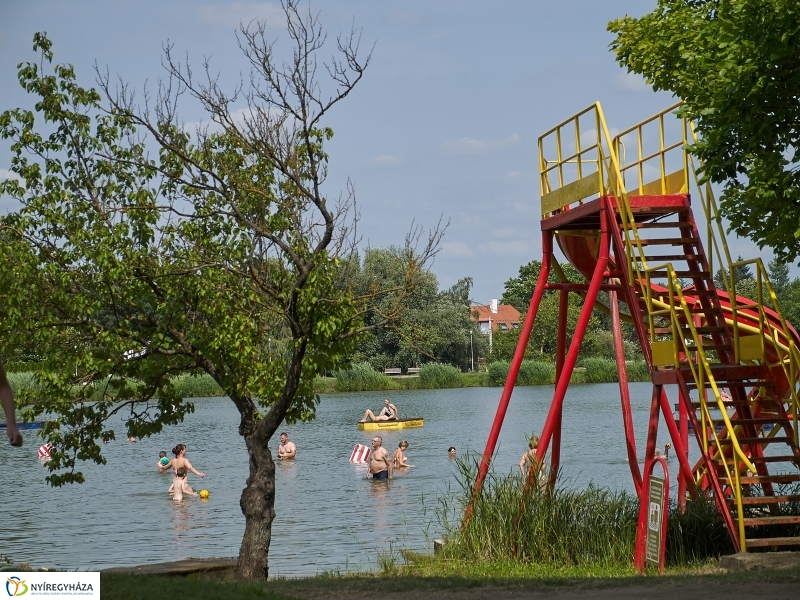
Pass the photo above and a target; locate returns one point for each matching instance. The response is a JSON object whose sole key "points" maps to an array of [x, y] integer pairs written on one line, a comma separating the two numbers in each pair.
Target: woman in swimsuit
{"points": [[179, 461], [400, 459], [389, 413]]}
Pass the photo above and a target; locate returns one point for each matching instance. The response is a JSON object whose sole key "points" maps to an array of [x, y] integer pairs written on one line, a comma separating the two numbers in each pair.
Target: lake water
{"points": [[329, 517]]}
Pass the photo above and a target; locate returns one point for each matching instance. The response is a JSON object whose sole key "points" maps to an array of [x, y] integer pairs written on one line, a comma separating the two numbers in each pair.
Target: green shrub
{"points": [[536, 373], [600, 370], [437, 375], [638, 371], [530, 373], [361, 377], [498, 372], [196, 386], [20, 381]]}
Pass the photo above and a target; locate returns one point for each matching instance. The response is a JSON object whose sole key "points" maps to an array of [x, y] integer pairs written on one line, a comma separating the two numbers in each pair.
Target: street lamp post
{"points": [[471, 351]]}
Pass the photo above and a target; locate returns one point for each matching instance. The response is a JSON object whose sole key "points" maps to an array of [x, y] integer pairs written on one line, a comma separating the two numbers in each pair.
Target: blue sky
{"points": [[445, 121]]}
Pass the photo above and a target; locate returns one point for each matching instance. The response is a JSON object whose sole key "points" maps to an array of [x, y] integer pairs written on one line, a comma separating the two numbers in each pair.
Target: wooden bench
{"points": [[392, 371], [413, 371]]}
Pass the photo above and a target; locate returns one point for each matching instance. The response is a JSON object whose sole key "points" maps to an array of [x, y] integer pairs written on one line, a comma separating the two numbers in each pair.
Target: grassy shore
{"points": [[201, 386], [429, 577]]}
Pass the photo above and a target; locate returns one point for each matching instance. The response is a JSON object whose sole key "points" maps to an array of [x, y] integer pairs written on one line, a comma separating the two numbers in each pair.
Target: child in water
{"points": [[180, 486], [163, 462]]}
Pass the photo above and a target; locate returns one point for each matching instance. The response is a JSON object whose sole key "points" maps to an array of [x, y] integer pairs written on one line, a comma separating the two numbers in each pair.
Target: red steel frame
{"points": [[565, 364]]}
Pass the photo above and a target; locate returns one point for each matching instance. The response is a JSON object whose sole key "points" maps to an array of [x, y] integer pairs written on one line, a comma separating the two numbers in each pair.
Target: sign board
{"points": [[655, 521]]}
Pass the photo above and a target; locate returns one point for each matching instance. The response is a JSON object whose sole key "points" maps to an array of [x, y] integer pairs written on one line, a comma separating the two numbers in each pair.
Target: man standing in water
{"points": [[287, 449], [7, 399], [380, 463]]}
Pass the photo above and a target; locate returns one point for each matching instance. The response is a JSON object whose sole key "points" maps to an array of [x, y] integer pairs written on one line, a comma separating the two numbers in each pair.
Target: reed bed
{"points": [[530, 373], [361, 377], [438, 375], [600, 370], [197, 386], [590, 527]]}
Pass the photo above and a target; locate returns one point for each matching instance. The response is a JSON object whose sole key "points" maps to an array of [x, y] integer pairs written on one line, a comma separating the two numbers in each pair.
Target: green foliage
{"points": [[543, 340], [435, 325], [24, 381], [196, 386], [536, 373], [600, 370], [361, 377], [437, 375], [519, 290], [734, 64], [567, 527], [530, 373], [637, 371]]}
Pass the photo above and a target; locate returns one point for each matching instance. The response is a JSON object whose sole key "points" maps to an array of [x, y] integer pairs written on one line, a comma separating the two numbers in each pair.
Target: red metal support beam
{"points": [[561, 345], [649, 455], [519, 353], [553, 416], [624, 391]]}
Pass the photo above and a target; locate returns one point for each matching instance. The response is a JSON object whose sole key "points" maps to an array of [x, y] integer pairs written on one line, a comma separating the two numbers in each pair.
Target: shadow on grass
{"points": [[430, 575]]}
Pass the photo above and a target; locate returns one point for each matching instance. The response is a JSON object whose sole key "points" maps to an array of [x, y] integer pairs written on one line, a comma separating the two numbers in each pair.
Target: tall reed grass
{"points": [[593, 526], [197, 386], [361, 377], [20, 381], [600, 370], [530, 372], [438, 375]]}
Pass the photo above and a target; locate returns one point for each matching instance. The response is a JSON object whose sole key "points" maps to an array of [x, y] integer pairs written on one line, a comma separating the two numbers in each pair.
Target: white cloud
{"points": [[508, 248], [456, 250], [243, 13], [632, 82], [386, 160], [471, 146], [6, 174]]}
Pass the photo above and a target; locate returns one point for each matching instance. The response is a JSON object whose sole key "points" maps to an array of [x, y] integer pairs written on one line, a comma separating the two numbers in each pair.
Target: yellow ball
{"points": [[204, 493]]}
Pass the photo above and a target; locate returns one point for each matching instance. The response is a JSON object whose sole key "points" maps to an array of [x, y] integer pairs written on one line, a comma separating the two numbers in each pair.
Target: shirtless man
{"points": [[287, 449], [380, 463], [389, 413], [7, 399]]}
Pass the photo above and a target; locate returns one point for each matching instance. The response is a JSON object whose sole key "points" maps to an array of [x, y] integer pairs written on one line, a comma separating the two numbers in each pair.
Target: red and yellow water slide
{"points": [[620, 210]]}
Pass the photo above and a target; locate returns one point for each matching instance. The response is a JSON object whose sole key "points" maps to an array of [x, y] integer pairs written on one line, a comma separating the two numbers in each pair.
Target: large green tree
{"points": [[734, 64], [138, 266], [435, 325]]}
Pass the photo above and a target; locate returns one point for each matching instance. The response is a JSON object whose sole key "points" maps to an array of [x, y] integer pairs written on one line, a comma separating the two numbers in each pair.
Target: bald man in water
{"points": [[380, 463], [7, 399]]}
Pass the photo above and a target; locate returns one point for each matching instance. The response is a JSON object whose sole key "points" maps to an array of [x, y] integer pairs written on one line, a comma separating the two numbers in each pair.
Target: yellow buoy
{"points": [[204, 494]]}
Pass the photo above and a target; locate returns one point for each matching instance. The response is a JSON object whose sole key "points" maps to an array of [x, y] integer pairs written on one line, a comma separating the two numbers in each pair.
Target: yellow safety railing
{"points": [[779, 337]]}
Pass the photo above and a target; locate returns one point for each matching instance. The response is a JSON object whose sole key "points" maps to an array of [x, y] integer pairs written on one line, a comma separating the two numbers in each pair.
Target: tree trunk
{"points": [[258, 506]]}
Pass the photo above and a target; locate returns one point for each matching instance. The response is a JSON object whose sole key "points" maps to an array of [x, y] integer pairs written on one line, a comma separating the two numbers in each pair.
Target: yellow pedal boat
{"points": [[391, 425]]}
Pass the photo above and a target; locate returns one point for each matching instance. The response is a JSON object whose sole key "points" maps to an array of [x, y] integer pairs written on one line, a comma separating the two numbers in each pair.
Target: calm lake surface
{"points": [[329, 517]]}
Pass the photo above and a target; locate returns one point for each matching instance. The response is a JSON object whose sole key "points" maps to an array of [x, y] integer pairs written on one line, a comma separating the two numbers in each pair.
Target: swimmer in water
{"points": [[400, 459], [180, 486], [287, 449], [180, 460], [163, 462]]}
